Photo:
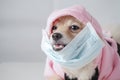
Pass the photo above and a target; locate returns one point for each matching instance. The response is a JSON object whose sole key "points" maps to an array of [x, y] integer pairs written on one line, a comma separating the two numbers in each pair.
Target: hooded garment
{"points": [[108, 61]]}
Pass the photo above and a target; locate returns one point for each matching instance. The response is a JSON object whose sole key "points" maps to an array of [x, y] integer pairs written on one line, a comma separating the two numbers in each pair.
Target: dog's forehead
{"points": [[67, 20]]}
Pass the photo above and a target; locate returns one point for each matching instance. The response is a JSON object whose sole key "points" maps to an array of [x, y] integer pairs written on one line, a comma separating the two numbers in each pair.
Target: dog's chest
{"points": [[85, 73], [94, 77]]}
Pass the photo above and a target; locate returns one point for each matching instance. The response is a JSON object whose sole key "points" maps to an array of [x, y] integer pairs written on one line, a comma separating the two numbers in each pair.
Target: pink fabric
{"points": [[108, 62], [52, 68]]}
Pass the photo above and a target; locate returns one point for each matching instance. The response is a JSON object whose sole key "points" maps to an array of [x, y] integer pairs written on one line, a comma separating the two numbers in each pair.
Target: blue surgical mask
{"points": [[83, 49]]}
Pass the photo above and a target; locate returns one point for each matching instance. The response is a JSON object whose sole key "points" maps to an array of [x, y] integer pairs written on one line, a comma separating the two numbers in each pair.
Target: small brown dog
{"points": [[90, 55], [63, 31]]}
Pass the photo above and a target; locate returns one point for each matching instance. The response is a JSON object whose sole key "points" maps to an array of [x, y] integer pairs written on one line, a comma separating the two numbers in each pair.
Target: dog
{"points": [[62, 31]]}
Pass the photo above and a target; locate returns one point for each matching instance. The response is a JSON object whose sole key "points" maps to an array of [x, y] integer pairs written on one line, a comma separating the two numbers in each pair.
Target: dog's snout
{"points": [[56, 36]]}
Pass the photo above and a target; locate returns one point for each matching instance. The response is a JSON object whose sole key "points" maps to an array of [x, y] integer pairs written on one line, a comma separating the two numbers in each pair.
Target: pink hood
{"points": [[76, 11], [108, 62]]}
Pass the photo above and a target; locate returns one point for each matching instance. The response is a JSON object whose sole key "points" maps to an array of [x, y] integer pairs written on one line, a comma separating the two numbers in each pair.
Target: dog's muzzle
{"points": [[58, 45], [56, 36]]}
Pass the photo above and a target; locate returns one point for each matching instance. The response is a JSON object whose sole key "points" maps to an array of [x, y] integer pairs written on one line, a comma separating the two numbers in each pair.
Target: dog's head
{"points": [[64, 29], [63, 25]]}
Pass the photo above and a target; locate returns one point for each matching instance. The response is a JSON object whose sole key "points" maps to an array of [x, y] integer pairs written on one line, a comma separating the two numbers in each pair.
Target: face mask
{"points": [[83, 49]]}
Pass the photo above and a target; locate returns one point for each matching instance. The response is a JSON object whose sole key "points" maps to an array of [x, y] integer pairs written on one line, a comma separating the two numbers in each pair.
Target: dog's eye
{"points": [[54, 27], [74, 27]]}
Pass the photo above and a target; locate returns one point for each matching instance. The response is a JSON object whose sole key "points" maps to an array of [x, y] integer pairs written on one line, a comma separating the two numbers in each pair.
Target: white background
{"points": [[21, 22]]}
